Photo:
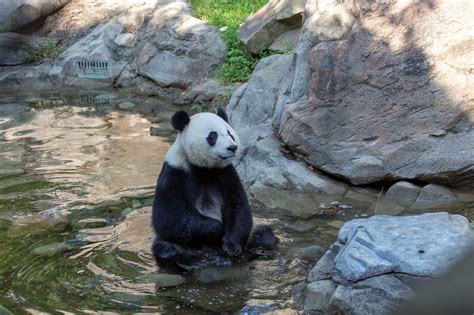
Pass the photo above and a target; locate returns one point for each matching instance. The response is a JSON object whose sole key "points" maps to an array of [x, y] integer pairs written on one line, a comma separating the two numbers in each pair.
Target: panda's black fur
{"points": [[182, 231]]}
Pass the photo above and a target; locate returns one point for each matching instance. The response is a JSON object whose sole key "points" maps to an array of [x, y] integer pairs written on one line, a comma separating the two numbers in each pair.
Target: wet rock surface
{"points": [[376, 262]]}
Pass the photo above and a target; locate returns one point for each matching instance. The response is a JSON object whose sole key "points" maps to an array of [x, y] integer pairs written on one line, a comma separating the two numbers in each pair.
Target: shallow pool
{"points": [[77, 174]]}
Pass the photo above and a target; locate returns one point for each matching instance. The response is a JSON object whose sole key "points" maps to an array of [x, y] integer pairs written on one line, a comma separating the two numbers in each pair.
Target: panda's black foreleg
{"points": [[171, 256]]}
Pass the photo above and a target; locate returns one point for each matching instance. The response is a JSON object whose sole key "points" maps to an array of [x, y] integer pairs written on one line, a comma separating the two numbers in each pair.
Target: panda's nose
{"points": [[232, 148]]}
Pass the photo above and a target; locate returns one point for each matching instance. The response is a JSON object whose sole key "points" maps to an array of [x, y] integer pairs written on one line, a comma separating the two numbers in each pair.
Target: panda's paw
{"points": [[231, 247]]}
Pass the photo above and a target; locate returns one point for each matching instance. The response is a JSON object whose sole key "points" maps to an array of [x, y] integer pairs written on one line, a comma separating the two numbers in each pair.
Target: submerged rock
{"points": [[91, 223], [212, 275], [162, 280], [126, 106], [4, 224], [42, 223], [51, 250], [376, 262], [309, 253]]}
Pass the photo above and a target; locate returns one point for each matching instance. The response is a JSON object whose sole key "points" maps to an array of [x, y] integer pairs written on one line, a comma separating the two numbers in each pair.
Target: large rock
{"points": [[181, 50], [255, 103], [21, 14], [376, 263], [421, 245], [14, 48], [390, 91], [271, 21], [154, 47], [270, 178]]}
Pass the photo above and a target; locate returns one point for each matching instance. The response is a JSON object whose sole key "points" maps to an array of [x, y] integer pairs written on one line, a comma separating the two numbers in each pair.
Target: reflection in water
{"points": [[111, 155], [76, 187]]}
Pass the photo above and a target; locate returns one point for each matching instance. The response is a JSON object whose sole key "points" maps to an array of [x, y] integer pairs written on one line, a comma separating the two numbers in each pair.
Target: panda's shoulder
{"points": [[229, 175], [171, 175]]}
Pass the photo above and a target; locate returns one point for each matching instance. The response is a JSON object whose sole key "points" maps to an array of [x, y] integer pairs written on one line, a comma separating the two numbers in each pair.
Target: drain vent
{"points": [[93, 69]]}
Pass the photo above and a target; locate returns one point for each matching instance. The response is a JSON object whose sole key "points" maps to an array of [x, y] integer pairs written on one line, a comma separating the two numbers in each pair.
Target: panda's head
{"points": [[205, 139]]}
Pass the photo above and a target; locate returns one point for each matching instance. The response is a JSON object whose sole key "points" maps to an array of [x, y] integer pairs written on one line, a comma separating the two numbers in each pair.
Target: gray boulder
{"points": [[421, 245], [407, 197], [373, 96], [181, 49], [436, 197], [377, 262], [254, 104], [20, 14], [404, 193], [271, 21], [270, 177]]}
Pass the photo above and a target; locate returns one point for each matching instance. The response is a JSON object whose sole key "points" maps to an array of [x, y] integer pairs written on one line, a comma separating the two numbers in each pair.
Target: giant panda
{"points": [[199, 200]]}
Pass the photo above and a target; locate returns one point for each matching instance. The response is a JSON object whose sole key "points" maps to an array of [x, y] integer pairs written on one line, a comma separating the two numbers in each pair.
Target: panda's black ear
{"points": [[180, 120], [221, 113]]}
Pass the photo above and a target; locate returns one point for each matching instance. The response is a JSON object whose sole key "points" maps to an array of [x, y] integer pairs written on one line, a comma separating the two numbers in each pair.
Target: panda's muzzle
{"points": [[232, 149]]}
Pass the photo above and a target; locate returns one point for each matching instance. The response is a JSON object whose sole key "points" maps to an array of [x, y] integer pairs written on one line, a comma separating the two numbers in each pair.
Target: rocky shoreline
{"points": [[151, 48]]}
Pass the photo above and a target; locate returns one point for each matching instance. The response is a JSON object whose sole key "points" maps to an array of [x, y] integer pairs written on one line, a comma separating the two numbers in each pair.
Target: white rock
{"points": [[124, 39]]}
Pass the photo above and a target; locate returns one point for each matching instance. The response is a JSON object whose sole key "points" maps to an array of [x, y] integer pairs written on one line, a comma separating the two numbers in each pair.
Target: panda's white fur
{"points": [[191, 146]]}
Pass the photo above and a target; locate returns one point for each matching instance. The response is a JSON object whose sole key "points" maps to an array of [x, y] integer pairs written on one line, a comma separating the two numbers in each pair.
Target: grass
{"points": [[48, 50], [228, 15], [6, 26]]}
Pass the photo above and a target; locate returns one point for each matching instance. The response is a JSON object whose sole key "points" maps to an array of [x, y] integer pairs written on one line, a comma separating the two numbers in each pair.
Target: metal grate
{"points": [[92, 101], [93, 69]]}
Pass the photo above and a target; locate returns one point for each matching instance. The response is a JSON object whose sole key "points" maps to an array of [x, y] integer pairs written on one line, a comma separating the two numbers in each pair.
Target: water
{"points": [[76, 183]]}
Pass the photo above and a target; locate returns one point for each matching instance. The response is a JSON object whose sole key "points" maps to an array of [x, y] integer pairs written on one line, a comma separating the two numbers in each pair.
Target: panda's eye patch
{"points": [[212, 138], [228, 132]]}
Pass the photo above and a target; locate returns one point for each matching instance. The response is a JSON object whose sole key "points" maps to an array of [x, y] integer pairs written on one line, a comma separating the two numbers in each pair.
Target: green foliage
{"points": [[198, 108], [48, 50], [228, 15], [6, 26], [288, 47], [201, 108]]}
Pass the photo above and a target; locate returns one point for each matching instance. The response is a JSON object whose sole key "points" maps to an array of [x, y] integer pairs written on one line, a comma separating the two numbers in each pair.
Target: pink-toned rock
{"points": [[268, 23], [384, 90]]}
